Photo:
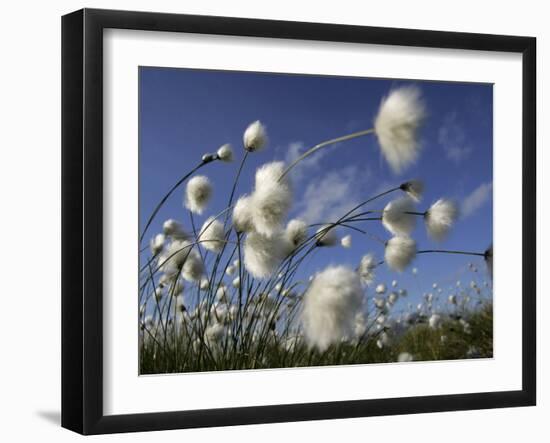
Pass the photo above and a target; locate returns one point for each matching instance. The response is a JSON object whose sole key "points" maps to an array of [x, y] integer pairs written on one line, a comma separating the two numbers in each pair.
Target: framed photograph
{"points": [[269, 221]]}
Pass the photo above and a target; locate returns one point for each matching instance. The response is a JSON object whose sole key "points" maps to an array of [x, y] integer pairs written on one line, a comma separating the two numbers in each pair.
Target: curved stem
{"points": [[446, 251], [324, 144], [168, 194]]}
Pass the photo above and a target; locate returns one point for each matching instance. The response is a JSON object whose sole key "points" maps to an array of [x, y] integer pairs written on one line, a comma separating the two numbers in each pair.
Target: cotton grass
{"points": [[440, 218], [331, 304], [198, 193], [400, 252], [396, 126]]}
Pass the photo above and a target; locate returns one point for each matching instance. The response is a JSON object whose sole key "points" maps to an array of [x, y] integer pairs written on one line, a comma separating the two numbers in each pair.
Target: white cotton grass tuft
{"points": [[330, 306], [366, 269], [271, 199], [396, 216], [400, 252], [242, 214], [225, 153], [255, 137], [173, 257], [173, 228], [380, 288], [295, 234], [346, 241], [262, 255], [212, 235], [326, 236], [157, 244], [404, 357], [198, 193], [193, 267], [435, 321], [396, 126], [414, 189], [440, 218]]}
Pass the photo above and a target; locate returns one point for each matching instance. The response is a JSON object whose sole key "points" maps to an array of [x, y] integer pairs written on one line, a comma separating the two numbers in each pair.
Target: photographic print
{"points": [[292, 220]]}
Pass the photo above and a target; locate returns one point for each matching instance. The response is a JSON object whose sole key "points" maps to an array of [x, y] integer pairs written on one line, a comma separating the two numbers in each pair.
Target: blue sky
{"points": [[185, 113]]}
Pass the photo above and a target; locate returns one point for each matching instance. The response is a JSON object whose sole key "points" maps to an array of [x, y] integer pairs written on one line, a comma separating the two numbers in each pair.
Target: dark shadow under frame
{"points": [[82, 221]]}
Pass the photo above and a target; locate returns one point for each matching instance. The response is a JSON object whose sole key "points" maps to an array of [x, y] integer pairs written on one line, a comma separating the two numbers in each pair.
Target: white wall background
{"points": [[30, 218]]}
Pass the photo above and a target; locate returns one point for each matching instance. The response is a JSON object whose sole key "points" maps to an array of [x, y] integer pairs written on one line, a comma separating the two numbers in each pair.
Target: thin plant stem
{"points": [[324, 144]]}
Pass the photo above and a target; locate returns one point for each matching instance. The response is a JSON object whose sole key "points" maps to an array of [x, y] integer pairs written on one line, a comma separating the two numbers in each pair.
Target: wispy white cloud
{"points": [[452, 137], [329, 196], [476, 199]]}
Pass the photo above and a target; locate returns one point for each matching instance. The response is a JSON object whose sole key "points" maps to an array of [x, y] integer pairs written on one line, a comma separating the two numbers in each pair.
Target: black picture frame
{"points": [[82, 219]]}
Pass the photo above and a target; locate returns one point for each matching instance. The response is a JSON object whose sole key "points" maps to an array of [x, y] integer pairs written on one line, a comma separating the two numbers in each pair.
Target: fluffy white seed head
{"points": [[214, 333], [366, 269], [330, 306], [346, 241], [157, 244], [400, 252], [392, 298], [396, 126], [236, 282], [204, 284], [414, 189], [396, 217], [262, 255], [242, 214], [440, 218], [435, 321], [193, 268], [326, 236], [173, 257], [381, 288], [173, 228], [271, 199], [295, 234], [212, 235], [198, 193], [225, 153], [255, 137]]}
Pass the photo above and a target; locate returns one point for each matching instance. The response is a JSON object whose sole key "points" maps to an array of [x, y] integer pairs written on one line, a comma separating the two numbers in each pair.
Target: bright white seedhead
{"points": [[397, 217], [440, 218], [262, 255], [396, 126], [242, 214], [271, 199], [326, 236], [330, 306], [193, 268], [173, 228], [225, 153], [381, 288], [173, 257], [295, 234], [236, 282], [255, 137], [366, 269], [212, 235], [435, 321], [346, 241], [157, 244], [198, 193], [400, 252]]}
